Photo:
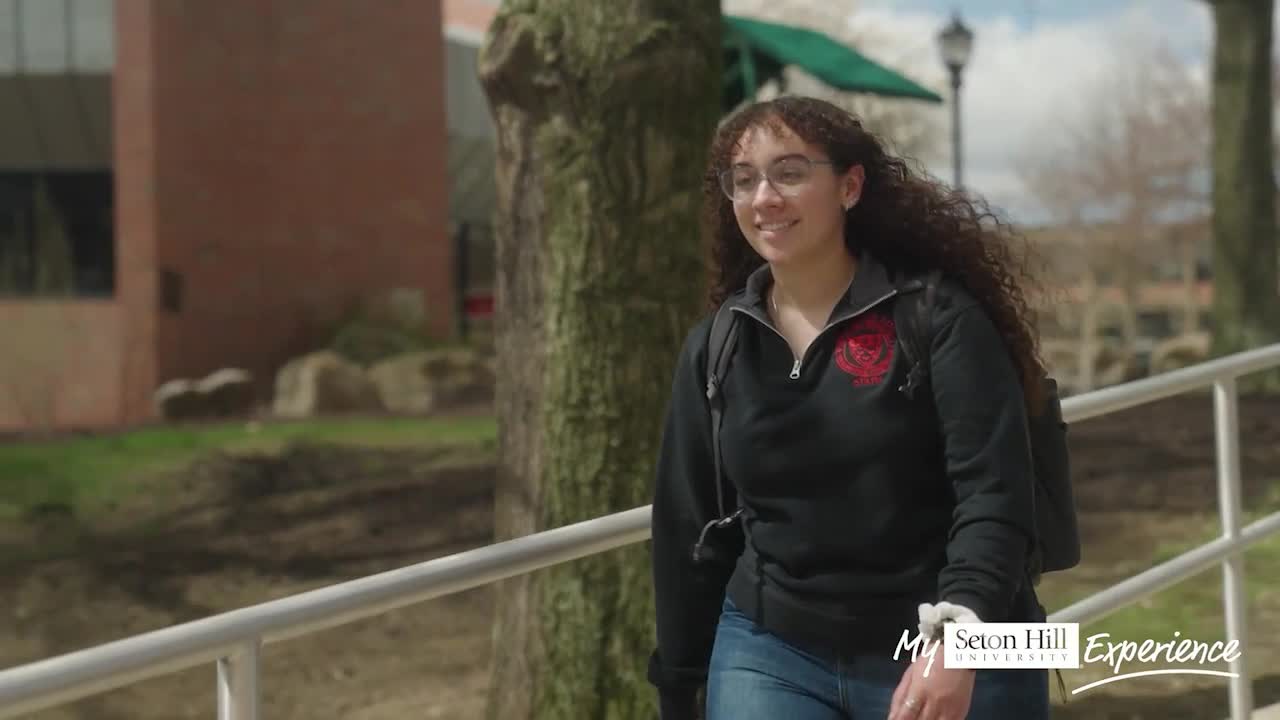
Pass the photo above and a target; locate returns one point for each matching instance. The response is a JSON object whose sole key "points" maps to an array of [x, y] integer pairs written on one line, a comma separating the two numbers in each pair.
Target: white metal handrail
{"points": [[233, 640]]}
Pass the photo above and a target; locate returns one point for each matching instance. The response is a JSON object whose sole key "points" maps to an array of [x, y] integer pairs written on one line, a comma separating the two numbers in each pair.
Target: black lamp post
{"points": [[956, 43]]}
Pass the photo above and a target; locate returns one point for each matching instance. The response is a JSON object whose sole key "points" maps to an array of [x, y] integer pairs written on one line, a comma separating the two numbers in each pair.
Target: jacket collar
{"points": [[872, 281]]}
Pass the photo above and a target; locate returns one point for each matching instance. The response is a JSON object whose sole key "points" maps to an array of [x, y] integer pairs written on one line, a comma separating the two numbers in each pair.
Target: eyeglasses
{"points": [[787, 176]]}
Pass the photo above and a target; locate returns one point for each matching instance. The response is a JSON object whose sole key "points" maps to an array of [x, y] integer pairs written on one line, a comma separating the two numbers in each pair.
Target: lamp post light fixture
{"points": [[956, 43]]}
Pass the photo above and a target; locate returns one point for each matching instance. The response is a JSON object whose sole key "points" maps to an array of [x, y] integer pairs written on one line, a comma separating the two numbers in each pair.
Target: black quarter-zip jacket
{"points": [[860, 502]]}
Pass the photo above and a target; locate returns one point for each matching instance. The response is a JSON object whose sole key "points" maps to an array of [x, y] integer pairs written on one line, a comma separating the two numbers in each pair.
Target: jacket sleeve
{"points": [[982, 413], [688, 596]]}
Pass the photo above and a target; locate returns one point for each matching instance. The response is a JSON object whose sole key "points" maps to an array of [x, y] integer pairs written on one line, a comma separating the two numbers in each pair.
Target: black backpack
{"points": [[1057, 531]]}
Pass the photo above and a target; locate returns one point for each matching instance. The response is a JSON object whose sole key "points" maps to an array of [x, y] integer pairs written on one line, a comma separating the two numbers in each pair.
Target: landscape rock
{"points": [[177, 400], [429, 380], [323, 382], [227, 392], [221, 394], [1180, 351]]}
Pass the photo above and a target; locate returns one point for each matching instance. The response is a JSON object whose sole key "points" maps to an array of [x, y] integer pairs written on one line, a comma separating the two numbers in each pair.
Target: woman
{"points": [[868, 514]]}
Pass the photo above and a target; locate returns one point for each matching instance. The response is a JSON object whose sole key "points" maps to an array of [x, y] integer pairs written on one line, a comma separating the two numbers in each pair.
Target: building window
{"points": [[57, 234]]}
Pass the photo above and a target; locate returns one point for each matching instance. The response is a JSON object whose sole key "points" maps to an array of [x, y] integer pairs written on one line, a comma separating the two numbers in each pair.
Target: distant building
{"points": [[472, 193], [227, 177]]}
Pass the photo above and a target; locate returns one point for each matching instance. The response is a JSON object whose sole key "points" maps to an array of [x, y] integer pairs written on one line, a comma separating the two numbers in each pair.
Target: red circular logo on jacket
{"points": [[865, 348]]}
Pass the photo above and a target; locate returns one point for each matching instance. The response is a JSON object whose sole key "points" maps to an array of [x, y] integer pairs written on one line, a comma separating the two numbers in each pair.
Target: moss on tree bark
{"points": [[1246, 308], [603, 113]]}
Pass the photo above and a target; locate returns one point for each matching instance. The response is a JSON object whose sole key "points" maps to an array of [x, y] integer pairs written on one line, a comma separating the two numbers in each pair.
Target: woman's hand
{"points": [[943, 695]]}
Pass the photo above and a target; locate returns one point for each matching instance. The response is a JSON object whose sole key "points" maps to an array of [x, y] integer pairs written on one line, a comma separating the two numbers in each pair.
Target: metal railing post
{"points": [[1235, 611], [238, 673]]}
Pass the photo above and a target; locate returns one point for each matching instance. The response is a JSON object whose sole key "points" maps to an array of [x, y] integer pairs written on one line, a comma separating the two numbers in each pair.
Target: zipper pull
{"points": [[795, 370]]}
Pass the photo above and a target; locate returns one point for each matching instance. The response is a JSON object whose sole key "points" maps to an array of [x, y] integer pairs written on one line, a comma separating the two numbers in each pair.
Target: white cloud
{"points": [[1023, 83]]}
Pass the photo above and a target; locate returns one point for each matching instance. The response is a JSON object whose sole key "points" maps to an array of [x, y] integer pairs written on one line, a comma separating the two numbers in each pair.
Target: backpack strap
{"points": [[913, 316], [720, 347]]}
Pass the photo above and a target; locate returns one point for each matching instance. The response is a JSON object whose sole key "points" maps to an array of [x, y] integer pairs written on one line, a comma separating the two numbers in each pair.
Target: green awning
{"points": [[756, 51]]}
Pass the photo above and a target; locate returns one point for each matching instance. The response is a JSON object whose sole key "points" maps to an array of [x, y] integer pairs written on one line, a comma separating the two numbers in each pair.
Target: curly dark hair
{"points": [[906, 219]]}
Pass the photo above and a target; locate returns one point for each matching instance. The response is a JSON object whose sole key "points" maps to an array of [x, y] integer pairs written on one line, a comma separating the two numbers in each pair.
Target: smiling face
{"points": [[790, 202]]}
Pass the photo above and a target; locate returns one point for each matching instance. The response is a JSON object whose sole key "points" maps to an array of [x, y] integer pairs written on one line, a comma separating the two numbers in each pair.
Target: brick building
{"points": [[229, 176]]}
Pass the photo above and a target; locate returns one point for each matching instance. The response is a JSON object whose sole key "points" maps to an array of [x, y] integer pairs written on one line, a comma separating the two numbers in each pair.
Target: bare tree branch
{"points": [[1129, 160]]}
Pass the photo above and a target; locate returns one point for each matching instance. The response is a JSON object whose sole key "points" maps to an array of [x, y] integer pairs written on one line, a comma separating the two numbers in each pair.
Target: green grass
{"points": [[1194, 605], [79, 474]]}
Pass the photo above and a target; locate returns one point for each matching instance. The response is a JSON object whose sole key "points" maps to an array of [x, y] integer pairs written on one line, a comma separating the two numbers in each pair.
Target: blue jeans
{"points": [[754, 675]]}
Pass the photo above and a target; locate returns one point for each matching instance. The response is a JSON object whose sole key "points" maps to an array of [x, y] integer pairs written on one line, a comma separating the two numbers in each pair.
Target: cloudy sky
{"points": [[1035, 63]]}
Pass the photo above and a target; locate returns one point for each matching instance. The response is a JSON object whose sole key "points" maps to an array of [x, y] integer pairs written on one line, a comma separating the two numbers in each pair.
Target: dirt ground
{"points": [[246, 530]]}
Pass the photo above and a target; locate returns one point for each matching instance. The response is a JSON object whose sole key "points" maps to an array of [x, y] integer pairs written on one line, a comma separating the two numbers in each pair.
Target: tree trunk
{"points": [[603, 119], [1088, 358], [1130, 281], [1190, 283], [1133, 245], [1244, 224]]}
